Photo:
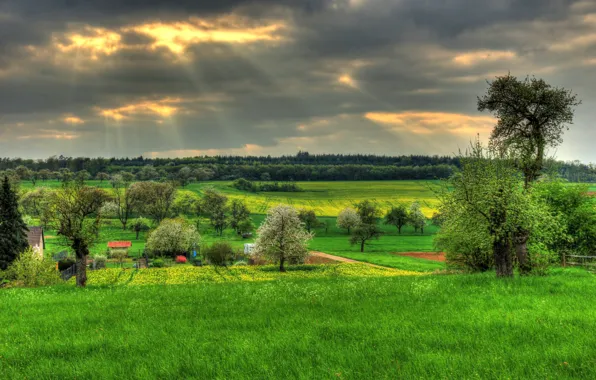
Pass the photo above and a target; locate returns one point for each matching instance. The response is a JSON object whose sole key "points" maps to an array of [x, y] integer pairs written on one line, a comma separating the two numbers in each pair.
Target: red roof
{"points": [[119, 244]]}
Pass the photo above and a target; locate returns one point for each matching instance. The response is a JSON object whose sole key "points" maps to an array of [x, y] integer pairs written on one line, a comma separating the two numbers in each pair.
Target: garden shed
{"points": [[36, 239], [119, 245]]}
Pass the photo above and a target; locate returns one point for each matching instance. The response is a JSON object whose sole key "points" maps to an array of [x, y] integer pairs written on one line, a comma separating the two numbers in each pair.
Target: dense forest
{"points": [[300, 167]]}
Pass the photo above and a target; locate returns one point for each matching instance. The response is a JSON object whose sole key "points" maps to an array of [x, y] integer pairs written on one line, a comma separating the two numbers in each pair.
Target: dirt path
{"points": [[433, 256], [340, 259], [334, 258]]}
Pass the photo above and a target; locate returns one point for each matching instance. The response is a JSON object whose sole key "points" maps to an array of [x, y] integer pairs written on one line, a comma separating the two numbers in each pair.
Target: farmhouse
{"points": [[36, 239]]}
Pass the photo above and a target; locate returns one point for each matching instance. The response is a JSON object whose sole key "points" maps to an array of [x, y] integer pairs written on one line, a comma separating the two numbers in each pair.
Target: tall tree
{"points": [[126, 201], [416, 217], [215, 205], [309, 219], [368, 212], [364, 233], [77, 212], [239, 212], [13, 231], [397, 216], [487, 199], [531, 118], [154, 199], [282, 237], [101, 176]]}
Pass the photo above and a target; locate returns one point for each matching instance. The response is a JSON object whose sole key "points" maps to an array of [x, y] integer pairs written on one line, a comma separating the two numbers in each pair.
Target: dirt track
{"points": [[434, 256]]}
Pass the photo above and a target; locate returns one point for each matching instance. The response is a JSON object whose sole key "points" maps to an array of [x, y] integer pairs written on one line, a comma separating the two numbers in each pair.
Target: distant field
{"points": [[326, 198], [329, 198]]}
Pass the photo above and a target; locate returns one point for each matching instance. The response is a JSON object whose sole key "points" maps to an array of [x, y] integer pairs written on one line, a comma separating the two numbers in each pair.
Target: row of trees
{"points": [[186, 174]]}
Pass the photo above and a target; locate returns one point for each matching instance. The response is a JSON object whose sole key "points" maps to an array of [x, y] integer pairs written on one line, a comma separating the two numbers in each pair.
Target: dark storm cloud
{"points": [[110, 11], [394, 56]]}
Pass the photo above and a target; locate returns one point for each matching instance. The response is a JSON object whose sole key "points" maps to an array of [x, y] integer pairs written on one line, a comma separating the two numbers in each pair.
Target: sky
{"points": [[177, 78]]}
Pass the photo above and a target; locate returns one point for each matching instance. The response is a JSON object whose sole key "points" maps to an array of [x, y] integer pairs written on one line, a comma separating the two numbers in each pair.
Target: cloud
{"points": [[274, 76], [427, 123]]}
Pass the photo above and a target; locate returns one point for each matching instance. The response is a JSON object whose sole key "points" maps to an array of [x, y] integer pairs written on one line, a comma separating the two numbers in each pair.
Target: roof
{"points": [[119, 244], [35, 235]]}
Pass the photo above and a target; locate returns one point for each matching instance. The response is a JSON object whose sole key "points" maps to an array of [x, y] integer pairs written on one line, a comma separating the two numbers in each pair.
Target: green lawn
{"points": [[448, 327], [326, 198], [331, 240]]}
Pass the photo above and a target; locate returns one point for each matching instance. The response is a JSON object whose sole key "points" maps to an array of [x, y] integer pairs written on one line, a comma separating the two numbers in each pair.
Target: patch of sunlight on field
{"points": [[330, 197]]}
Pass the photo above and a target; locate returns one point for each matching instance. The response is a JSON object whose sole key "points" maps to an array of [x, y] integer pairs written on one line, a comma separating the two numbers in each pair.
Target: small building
{"points": [[248, 248], [119, 245], [36, 239]]}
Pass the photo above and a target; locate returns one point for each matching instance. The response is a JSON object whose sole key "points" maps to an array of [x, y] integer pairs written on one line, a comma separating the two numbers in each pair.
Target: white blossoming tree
{"points": [[172, 237], [348, 218], [282, 236]]}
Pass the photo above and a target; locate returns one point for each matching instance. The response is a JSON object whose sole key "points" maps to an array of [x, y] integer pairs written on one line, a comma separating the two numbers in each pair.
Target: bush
{"points": [[158, 263], [99, 262], [180, 259], [65, 264], [244, 185], [220, 253], [31, 270], [240, 263], [197, 262]]}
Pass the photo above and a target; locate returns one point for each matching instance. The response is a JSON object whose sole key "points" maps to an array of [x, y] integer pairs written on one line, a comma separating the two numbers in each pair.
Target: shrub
{"points": [[158, 263], [240, 263], [99, 262], [197, 262], [220, 253], [119, 255], [65, 264], [180, 259], [30, 270]]}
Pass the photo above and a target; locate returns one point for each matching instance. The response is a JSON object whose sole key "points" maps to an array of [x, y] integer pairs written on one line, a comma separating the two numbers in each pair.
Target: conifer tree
{"points": [[13, 231]]}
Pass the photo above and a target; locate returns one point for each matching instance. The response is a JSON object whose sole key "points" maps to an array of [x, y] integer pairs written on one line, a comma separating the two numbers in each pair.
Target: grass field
{"points": [[333, 241], [448, 327], [326, 198]]}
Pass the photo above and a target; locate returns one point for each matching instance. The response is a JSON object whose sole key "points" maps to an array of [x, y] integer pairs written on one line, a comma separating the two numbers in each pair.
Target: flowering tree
{"points": [[416, 217], [282, 236], [173, 237], [348, 218]]}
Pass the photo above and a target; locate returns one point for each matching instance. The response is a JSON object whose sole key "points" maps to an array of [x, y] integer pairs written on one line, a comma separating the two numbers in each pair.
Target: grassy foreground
{"points": [[344, 327]]}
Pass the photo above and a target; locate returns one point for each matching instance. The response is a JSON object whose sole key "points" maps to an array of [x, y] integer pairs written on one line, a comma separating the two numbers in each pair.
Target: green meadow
{"points": [[326, 198], [339, 327]]}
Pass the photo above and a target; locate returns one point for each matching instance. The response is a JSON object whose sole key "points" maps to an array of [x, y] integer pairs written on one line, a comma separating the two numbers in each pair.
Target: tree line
{"points": [[302, 167]]}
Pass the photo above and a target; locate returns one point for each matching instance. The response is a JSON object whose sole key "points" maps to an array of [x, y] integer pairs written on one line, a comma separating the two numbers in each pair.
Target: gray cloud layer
{"points": [[390, 77]]}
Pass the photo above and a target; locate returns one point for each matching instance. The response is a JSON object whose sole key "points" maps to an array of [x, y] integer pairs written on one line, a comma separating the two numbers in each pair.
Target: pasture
{"points": [[351, 327], [327, 198]]}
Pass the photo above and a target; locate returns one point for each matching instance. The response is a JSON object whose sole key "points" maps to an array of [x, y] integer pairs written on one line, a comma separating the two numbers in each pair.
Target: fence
{"points": [[588, 262], [68, 273]]}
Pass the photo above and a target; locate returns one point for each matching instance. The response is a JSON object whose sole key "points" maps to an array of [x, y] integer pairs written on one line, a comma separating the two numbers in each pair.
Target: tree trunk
{"points": [[521, 251], [502, 257], [81, 251], [124, 225], [362, 246], [399, 230], [421, 230], [281, 264], [348, 230]]}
